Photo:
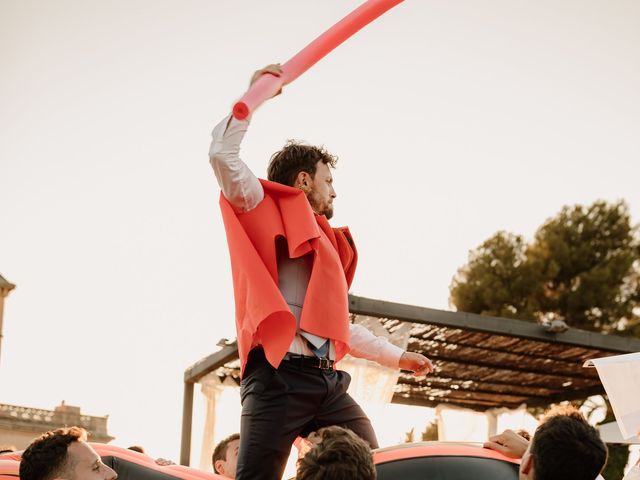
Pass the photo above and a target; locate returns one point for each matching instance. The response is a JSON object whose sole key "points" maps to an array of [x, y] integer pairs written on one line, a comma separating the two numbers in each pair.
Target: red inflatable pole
{"points": [[268, 85]]}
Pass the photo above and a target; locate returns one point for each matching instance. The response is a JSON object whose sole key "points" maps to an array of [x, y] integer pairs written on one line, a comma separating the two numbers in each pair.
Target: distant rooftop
{"points": [[38, 420]]}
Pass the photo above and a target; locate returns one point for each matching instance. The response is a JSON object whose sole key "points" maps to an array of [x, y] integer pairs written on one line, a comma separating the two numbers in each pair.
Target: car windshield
{"points": [[447, 468], [132, 471]]}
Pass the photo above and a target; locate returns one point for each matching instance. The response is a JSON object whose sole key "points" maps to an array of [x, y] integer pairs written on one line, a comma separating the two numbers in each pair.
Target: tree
{"points": [[497, 280], [582, 267], [409, 436], [618, 453], [430, 432], [588, 259]]}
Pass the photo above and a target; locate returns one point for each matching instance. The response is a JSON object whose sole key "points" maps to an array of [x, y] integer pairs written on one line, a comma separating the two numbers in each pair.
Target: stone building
{"points": [[19, 425]]}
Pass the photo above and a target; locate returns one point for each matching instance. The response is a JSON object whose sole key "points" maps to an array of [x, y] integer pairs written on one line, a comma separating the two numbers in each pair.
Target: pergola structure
{"points": [[481, 362]]}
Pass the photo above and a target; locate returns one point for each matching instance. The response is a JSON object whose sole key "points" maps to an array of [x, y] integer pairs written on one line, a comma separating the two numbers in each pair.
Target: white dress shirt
{"points": [[243, 190]]}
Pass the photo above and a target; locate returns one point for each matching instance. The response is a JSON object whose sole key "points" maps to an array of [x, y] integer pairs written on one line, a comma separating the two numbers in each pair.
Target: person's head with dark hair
{"points": [[566, 410], [63, 454], [7, 449], [225, 456], [136, 448], [339, 454], [308, 168], [564, 446]]}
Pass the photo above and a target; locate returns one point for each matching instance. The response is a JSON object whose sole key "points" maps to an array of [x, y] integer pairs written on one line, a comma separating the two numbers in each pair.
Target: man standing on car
{"points": [[291, 274]]}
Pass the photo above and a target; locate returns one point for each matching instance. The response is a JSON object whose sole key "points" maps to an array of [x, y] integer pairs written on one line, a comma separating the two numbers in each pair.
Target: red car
{"points": [[408, 461], [443, 461], [128, 464]]}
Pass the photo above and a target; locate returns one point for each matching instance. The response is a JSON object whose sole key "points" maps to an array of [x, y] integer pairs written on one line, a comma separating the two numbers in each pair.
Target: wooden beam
{"points": [[479, 406], [480, 388], [210, 363], [422, 342], [568, 396], [406, 379], [187, 420], [509, 368]]}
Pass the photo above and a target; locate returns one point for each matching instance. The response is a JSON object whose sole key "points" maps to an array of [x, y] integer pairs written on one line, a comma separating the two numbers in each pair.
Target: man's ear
{"points": [[218, 467], [526, 466], [303, 179]]}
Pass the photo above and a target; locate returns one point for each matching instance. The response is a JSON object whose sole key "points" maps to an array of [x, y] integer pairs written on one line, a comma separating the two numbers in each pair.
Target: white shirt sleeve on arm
{"points": [[239, 185], [365, 344]]}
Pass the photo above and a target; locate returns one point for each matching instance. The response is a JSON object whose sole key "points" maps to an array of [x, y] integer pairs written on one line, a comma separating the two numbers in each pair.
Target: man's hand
{"points": [[509, 443], [274, 69], [416, 362]]}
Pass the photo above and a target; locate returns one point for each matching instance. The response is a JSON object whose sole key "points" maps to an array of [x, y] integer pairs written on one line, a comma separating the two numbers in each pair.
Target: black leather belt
{"points": [[305, 361]]}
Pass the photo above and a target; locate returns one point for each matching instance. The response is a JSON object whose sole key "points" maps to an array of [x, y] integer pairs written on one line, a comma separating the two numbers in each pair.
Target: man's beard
{"points": [[316, 205]]}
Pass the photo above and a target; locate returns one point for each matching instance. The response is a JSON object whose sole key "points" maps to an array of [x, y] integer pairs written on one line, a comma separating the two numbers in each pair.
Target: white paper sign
{"points": [[620, 376]]}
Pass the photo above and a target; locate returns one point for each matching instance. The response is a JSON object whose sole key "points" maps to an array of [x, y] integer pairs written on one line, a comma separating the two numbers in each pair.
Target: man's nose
{"points": [[112, 475]]}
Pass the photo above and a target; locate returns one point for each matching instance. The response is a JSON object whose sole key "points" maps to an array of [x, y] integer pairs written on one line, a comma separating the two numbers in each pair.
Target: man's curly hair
{"points": [[296, 157], [47, 458], [340, 455]]}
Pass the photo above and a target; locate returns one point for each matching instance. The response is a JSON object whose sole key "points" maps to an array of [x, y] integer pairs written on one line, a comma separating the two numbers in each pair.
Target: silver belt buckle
{"points": [[325, 363]]}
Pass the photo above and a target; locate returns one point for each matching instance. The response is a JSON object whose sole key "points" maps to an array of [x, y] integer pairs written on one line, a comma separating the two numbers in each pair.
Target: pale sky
{"points": [[452, 120]]}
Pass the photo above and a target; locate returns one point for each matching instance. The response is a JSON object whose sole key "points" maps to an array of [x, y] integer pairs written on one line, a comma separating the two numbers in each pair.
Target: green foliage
{"points": [[495, 281], [616, 461], [618, 454], [430, 432], [409, 436], [583, 267]]}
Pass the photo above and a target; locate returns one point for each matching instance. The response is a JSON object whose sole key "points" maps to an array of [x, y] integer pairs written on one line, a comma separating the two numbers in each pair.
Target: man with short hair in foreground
{"points": [[338, 454], [63, 454], [563, 447], [225, 456]]}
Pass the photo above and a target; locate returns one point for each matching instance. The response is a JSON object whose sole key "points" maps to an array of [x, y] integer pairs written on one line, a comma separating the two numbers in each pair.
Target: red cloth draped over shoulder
{"points": [[262, 315]]}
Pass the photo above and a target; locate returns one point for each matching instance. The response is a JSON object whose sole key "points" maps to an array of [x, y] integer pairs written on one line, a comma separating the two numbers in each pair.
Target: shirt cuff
{"points": [[227, 127]]}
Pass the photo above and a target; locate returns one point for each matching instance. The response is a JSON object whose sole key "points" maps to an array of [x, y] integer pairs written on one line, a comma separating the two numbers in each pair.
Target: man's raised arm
{"points": [[238, 183]]}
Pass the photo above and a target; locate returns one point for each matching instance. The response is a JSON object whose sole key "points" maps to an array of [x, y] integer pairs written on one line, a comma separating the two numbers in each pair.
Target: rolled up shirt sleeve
{"points": [[238, 183], [365, 344]]}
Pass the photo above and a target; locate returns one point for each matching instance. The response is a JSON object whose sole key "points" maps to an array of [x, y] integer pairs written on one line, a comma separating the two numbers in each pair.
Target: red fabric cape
{"points": [[262, 315]]}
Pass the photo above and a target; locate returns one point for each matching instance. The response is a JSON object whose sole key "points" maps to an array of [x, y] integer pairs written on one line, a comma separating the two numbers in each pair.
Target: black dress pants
{"points": [[280, 404]]}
